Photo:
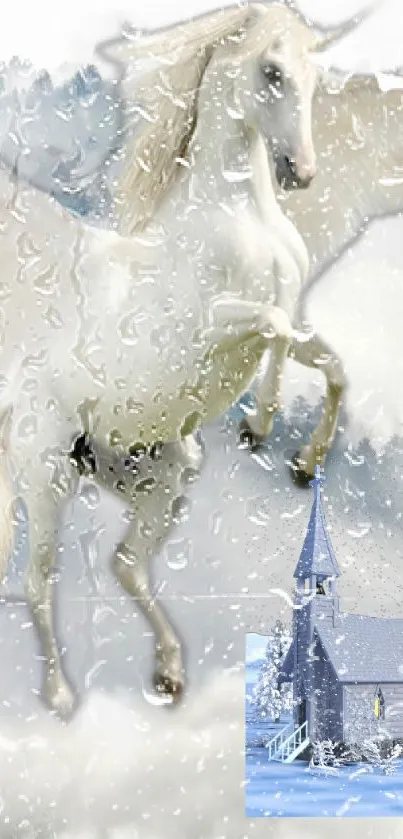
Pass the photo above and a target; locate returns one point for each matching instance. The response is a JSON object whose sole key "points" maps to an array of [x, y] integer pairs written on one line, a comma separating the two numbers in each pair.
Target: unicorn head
{"points": [[267, 53], [276, 88]]}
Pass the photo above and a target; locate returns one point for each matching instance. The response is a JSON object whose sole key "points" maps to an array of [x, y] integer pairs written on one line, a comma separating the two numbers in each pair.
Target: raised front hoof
{"points": [[298, 473], [169, 687], [247, 439]]}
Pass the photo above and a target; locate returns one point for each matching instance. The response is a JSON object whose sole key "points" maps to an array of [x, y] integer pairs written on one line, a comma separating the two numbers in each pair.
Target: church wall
{"points": [[393, 722], [303, 668], [327, 700], [360, 722], [315, 679]]}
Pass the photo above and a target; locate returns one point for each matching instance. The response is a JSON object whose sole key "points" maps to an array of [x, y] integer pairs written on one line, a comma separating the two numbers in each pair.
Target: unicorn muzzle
{"points": [[291, 175]]}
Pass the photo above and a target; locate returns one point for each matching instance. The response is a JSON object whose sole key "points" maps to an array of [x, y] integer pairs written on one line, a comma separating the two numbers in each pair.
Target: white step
{"points": [[301, 748], [296, 740]]}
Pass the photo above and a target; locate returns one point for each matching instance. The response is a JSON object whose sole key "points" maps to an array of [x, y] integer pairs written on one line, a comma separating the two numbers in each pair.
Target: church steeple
{"points": [[317, 561]]}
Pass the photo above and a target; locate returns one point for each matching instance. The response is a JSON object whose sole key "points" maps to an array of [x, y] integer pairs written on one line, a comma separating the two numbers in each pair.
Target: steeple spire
{"points": [[317, 557]]}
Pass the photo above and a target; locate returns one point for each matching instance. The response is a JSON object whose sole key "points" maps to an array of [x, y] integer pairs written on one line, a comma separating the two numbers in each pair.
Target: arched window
{"points": [[379, 704]]}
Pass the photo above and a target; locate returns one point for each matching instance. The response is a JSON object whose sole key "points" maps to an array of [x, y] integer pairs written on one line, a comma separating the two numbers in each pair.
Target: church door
{"points": [[302, 712]]}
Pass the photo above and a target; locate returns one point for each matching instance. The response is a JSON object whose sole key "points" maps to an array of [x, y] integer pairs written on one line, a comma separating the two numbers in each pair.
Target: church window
{"points": [[379, 704]]}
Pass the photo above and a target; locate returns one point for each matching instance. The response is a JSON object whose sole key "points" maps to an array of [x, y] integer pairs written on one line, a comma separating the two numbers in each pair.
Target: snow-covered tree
{"points": [[327, 757], [324, 758], [269, 699], [371, 752]]}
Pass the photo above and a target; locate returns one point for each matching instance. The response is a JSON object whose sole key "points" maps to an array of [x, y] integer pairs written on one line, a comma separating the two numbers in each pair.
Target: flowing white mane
{"points": [[167, 96]]}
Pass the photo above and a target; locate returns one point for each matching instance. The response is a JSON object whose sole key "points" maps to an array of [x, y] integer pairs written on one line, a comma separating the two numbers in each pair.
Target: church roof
{"points": [[317, 555], [364, 649], [360, 649]]}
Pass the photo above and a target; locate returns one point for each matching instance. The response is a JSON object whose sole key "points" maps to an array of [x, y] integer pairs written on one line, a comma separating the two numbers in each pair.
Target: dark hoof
{"points": [[247, 439], [166, 686], [298, 473]]}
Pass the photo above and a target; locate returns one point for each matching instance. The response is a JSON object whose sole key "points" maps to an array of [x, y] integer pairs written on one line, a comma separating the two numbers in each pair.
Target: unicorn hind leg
{"points": [[7, 495], [44, 494], [153, 489]]}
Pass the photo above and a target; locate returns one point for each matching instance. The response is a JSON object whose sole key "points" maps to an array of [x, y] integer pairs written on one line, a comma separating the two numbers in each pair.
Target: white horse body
{"points": [[156, 329], [145, 337]]}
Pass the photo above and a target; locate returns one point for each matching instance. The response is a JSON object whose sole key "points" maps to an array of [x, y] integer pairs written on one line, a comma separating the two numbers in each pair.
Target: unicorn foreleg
{"points": [[233, 320], [258, 425], [44, 503], [316, 353], [237, 320]]}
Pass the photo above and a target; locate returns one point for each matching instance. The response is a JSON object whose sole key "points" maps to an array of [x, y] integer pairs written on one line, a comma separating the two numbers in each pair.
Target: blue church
{"points": [[346, 669]]}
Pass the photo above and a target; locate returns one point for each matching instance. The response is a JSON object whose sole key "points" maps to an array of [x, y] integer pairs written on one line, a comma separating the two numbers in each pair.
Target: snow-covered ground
{"points": [[277, 789]]}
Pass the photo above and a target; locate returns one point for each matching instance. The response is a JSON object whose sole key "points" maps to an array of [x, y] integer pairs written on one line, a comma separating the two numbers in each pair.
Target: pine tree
{"points": [[269, 699]]}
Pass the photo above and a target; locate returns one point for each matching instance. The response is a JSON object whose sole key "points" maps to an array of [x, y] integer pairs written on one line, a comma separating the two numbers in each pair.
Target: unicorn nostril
{"points": [[291, 165]]}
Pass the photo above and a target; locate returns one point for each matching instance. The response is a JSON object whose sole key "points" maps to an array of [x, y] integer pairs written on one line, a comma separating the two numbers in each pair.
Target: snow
{"points": [[269, 699], [276, 789], [293, 790], [124, 764], [136, 770]]}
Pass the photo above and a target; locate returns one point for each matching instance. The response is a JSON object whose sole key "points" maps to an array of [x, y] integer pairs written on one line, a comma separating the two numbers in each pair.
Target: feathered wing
{"points": [[358, 129]]}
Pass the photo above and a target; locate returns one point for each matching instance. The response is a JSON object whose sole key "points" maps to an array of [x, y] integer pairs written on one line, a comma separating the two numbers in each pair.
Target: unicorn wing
{"points": [[347, 190]]}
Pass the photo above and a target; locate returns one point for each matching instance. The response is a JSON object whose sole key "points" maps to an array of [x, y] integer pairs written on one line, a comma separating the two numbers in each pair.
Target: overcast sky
{"points": [[52, 32]]}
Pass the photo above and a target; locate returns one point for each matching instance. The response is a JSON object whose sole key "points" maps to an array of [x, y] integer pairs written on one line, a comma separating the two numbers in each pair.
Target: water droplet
{"points": [[362, 531], [216, 522], [127, 327], [178, 553], [181, 508], [53, 318], [154, 698], [354, 460], [162, 338], [90, 496], [258, 510], [46, 281], [27, 426], [91, 675]]}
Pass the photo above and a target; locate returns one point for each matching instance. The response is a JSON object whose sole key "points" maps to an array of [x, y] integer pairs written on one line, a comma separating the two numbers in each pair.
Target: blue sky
{"points": [[255, 647]]}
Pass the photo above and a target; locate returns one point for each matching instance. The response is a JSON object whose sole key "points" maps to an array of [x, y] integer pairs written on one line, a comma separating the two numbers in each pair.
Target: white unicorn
{"points": [[358, 138], [322, 215], [127, 341]]}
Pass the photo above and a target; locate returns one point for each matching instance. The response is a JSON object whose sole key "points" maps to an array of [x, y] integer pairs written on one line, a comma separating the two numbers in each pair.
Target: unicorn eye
{"points": [[273, 75]]}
